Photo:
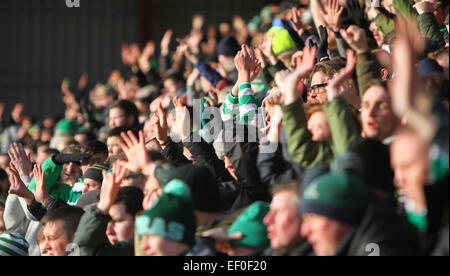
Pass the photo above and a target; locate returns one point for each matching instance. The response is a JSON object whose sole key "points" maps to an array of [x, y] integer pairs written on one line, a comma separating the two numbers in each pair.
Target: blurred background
{"points": [[44, 42]]}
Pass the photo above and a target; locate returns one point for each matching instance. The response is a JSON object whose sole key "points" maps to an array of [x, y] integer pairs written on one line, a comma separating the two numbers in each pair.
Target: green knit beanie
{"points": [[66, 126], [250, 224], [172, 216], [282, 41], [339, 196]]}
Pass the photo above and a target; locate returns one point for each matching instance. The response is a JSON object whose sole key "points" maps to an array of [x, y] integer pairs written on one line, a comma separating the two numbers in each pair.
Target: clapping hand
{"points": [[40, 193], [134, 148], [182, 126], [333, 15], [17, 187], [288, 81], [110, 187], [343, 76], [247, 64], [19, 158]]}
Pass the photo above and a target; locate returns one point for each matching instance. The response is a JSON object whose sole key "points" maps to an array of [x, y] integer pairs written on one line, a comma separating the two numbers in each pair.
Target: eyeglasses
{"points": [[317, 88]]}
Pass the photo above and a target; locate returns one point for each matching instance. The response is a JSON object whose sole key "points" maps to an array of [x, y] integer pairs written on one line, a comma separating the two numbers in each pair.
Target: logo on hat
{"points": [[73, 3], [311, 192]]}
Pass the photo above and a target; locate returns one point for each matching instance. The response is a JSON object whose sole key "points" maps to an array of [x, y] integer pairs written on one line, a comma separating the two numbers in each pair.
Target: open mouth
{"points": [[372, 125]]}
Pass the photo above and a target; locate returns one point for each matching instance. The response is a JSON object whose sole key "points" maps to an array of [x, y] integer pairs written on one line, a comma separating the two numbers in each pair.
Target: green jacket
{"points": [[91, 236], [368, 70], [427, 21], [54, 188], [430, 28], [405, 8], [309, 153], [385, 23]]}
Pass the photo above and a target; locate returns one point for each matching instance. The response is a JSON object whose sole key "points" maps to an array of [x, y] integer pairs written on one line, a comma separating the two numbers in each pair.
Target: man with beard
{"points": [[62, 172]]}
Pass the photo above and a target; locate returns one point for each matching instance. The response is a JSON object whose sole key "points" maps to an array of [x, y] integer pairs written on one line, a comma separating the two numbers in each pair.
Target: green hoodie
{"points": [[55, 189]]}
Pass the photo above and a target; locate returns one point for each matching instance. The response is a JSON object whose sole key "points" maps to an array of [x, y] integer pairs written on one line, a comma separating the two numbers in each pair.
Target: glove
{"points": [[353, 14], [322, 50], [62, 158]]}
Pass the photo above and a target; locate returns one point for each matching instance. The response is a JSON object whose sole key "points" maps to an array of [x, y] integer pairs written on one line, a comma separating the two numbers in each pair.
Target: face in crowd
{"points": [[319, 127], [378, 118], [113, 145], [317, 93], [410, 161], [118, 118], [154, 245], [324, 234], [55, 239], [71, 172], [283, 221], [121, 226]]}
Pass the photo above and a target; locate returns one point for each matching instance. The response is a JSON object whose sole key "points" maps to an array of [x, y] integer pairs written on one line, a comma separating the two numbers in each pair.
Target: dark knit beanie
{"points": [[95, 172], [228, 47], [163, 173], [203, 185], [374, 163], [339, 196]]}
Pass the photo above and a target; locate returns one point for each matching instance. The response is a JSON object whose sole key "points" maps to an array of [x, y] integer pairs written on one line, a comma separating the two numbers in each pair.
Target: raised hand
{"points": [[406, 86], [212, 98], [182, 126], [161, 126], [40, 193], [20, 159], [296, 21], [126, 55], [274, 99], [165, 42], [17, 112], [266, 48], [2, 108], [193, 77], [288, 82], [407, 45], [135, 53], [333, 15], [343, 76], [110, 187], [194, 40], [261, 57], [147, 52], [322, 50], [17, 187], [426, 6], [83, 81], [184, 49], [355, 13], [356, 38], [247, 64], [134, 149]]}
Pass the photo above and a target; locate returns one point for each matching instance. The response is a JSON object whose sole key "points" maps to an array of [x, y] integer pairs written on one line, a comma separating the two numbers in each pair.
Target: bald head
{"points": [[410, 161]]}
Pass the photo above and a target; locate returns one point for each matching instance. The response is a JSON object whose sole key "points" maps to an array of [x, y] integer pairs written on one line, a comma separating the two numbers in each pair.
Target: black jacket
{"points": [[382, 232], [435, 240]]}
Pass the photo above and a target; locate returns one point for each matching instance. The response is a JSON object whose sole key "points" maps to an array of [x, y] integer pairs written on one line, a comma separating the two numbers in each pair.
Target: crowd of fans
{"points": [[315, 128]]}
